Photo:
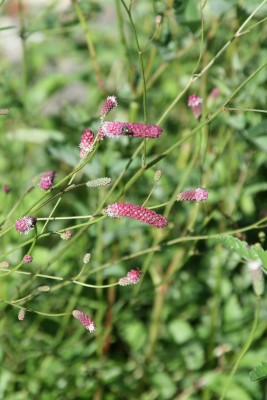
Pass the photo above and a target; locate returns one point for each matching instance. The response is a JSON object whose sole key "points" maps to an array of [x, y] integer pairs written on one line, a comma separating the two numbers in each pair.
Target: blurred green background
{"points": [[177, 333]]}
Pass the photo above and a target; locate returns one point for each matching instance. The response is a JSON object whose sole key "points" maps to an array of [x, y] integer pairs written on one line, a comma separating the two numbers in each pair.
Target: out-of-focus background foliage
{"points": [[176, 335]]}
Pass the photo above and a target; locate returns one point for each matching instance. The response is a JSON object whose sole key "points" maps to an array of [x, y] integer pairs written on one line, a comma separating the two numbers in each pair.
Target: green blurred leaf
{"points": [[31, 135], [259, 372]]}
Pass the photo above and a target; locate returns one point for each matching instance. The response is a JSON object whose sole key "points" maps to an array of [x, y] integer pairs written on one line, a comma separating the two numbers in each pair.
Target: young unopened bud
{"points": [[87, 322], [47, 180], [4, 264], [195, 102], [157, 175], [197, 195], [98, 182], [86, 258], [44, 288], [21, 314], [27, 259], [109, 104], [257, 276], [25, 225], [66, 235], [6, 188], [86, 144]]}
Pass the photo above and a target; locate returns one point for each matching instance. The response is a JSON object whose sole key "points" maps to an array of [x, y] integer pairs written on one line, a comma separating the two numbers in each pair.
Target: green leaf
{"points": [[249, 253], [259, 372]]}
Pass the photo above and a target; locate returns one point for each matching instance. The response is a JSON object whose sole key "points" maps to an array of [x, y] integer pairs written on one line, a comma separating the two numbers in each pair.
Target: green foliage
{"points": [[259, 372]]}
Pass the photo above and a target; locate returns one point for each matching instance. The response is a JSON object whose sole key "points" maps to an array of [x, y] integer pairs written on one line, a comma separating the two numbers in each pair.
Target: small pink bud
{"points": [[21, 314], [25, 225], [66, 235], [131, 278], [109, 104], [255, 268], [47, 180], [114, 130], [27, 259], [134, 211], [214, 93], [6, 188], [86, 144], [197, 195], [194, 102], [87, 322]]}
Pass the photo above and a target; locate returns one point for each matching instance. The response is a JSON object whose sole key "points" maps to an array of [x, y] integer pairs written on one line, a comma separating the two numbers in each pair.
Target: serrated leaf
{"points": [[249, 253], [259, 372]]}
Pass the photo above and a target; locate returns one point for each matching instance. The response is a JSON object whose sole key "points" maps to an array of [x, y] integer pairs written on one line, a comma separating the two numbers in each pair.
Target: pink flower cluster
{"points": [[134, 211], [27, 259], [25, 225], [87, 322], [197, 195], [131, 278], [86, 144], [114, 130], [195, 102], [109, 104], [47, 180]]}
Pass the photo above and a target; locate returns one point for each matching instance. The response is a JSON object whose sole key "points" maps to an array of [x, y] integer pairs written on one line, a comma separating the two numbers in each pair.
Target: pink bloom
{"points": [[47, 180], [198, 195], [25, 225], [134, 211], [27, 258], [214, 93], [109, 104], [6, 188], [132, 278], [194, 102], [87, 322], [21, 314], [116, 129], [66, 235], [86, 144]]}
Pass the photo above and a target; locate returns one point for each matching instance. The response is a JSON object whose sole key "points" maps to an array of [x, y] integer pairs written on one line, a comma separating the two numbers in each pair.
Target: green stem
{"points": [[245, 348]]}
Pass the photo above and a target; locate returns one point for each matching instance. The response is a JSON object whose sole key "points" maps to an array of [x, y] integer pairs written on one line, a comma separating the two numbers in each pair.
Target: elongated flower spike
{"points": [[109, 104], [86, 145], [87, 322], [139, 213], [131, 278], [114, 130], [195, 102], [197, 195]]}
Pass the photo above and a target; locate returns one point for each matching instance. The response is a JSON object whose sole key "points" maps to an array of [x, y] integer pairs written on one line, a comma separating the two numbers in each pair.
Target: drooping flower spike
{"points": [[114, 130], [139, 213], [197, 195], [87, 322]]}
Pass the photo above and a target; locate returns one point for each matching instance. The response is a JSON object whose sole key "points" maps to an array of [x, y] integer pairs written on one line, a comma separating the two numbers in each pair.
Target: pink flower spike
{"points": [[86, 144], [109, 104], [197, 195], [47, 180], [25, 225], [27, 259], [194, 102], [87, 322], [132, 278], [6, 188], [66, 235], [134, 211], [214, 93], [116, 129], [21, 314]]}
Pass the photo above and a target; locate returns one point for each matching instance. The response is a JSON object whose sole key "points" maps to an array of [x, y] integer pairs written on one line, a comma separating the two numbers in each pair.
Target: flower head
{"points": [[131, 278], [47, 180], [25, 225], [98, 182], [255, 268], [87, 322], [6, 188], [197, 195], [114, 130], [27, 259], [66, 235], [21, 314], [134, 211], [194, 102], [86, 144], [109, 104]]}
